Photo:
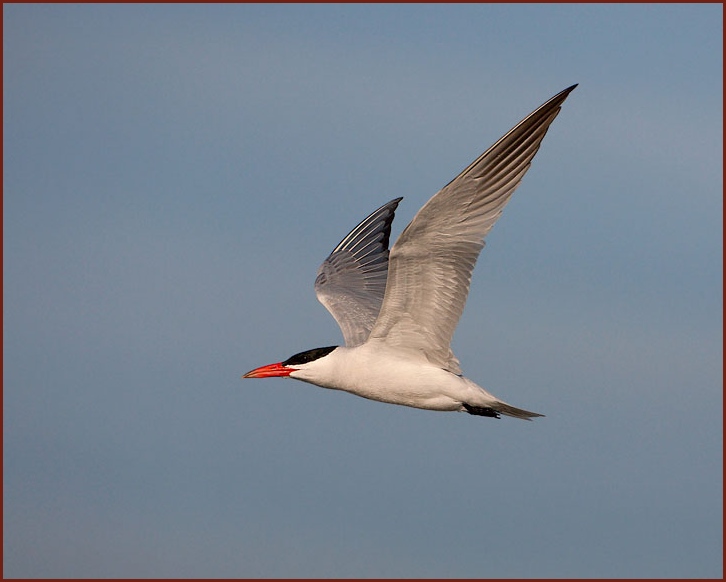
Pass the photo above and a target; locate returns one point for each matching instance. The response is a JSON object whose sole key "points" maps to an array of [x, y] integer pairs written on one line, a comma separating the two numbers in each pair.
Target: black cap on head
{"points": [[308, 356]]}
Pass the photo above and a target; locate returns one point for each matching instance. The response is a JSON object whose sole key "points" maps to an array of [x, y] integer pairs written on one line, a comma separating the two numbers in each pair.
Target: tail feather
{"points": [[505, 408]]}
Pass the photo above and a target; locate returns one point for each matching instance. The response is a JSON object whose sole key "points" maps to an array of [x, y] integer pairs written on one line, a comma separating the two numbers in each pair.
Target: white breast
{"points": [[396, 377]]}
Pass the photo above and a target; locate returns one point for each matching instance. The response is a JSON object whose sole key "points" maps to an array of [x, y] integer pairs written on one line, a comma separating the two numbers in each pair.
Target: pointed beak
{"points": [[269, 371]]}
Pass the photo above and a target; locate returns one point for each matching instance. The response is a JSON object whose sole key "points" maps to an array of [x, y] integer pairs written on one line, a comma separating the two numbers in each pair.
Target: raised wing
{"points": [[352, 280], [433, 259]]}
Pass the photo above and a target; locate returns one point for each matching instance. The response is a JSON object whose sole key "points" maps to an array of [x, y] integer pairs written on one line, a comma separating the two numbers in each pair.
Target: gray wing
{"points": [[352, 280], [433, 259]]}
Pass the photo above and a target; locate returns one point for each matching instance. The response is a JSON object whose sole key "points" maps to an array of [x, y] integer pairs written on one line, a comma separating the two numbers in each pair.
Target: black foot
{"points": [[481, 411]]}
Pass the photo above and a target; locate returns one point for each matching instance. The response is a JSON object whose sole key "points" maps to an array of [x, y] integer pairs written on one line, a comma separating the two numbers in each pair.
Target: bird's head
{"points": [[294, 363]]}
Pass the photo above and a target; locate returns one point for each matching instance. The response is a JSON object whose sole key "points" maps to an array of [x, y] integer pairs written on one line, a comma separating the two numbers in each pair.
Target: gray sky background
{"points": [[173, 177]]}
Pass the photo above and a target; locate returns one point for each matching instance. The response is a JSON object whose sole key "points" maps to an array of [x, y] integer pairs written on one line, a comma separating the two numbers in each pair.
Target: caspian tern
{"points": [[398, 311]]}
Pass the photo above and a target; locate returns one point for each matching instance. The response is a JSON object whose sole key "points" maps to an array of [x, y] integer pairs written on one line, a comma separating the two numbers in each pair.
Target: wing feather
{"points": [[431, 264], [351, 282]]}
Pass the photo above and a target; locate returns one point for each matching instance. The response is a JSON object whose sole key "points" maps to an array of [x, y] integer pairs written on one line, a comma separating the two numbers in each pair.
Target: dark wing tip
{"points": [[557, 100], [377, 222], [391, 207]]}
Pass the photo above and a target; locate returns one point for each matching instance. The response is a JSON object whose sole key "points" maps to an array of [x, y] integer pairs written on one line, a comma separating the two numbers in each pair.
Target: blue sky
{"points": [[173, 177]]}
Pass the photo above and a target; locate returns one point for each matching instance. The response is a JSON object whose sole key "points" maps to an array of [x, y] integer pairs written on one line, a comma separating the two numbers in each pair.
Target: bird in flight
{"points": [[398, 310]]}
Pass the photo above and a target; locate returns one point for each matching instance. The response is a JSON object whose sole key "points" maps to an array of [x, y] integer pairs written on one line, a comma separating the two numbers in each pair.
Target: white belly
{"points": [[394, 378]]}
